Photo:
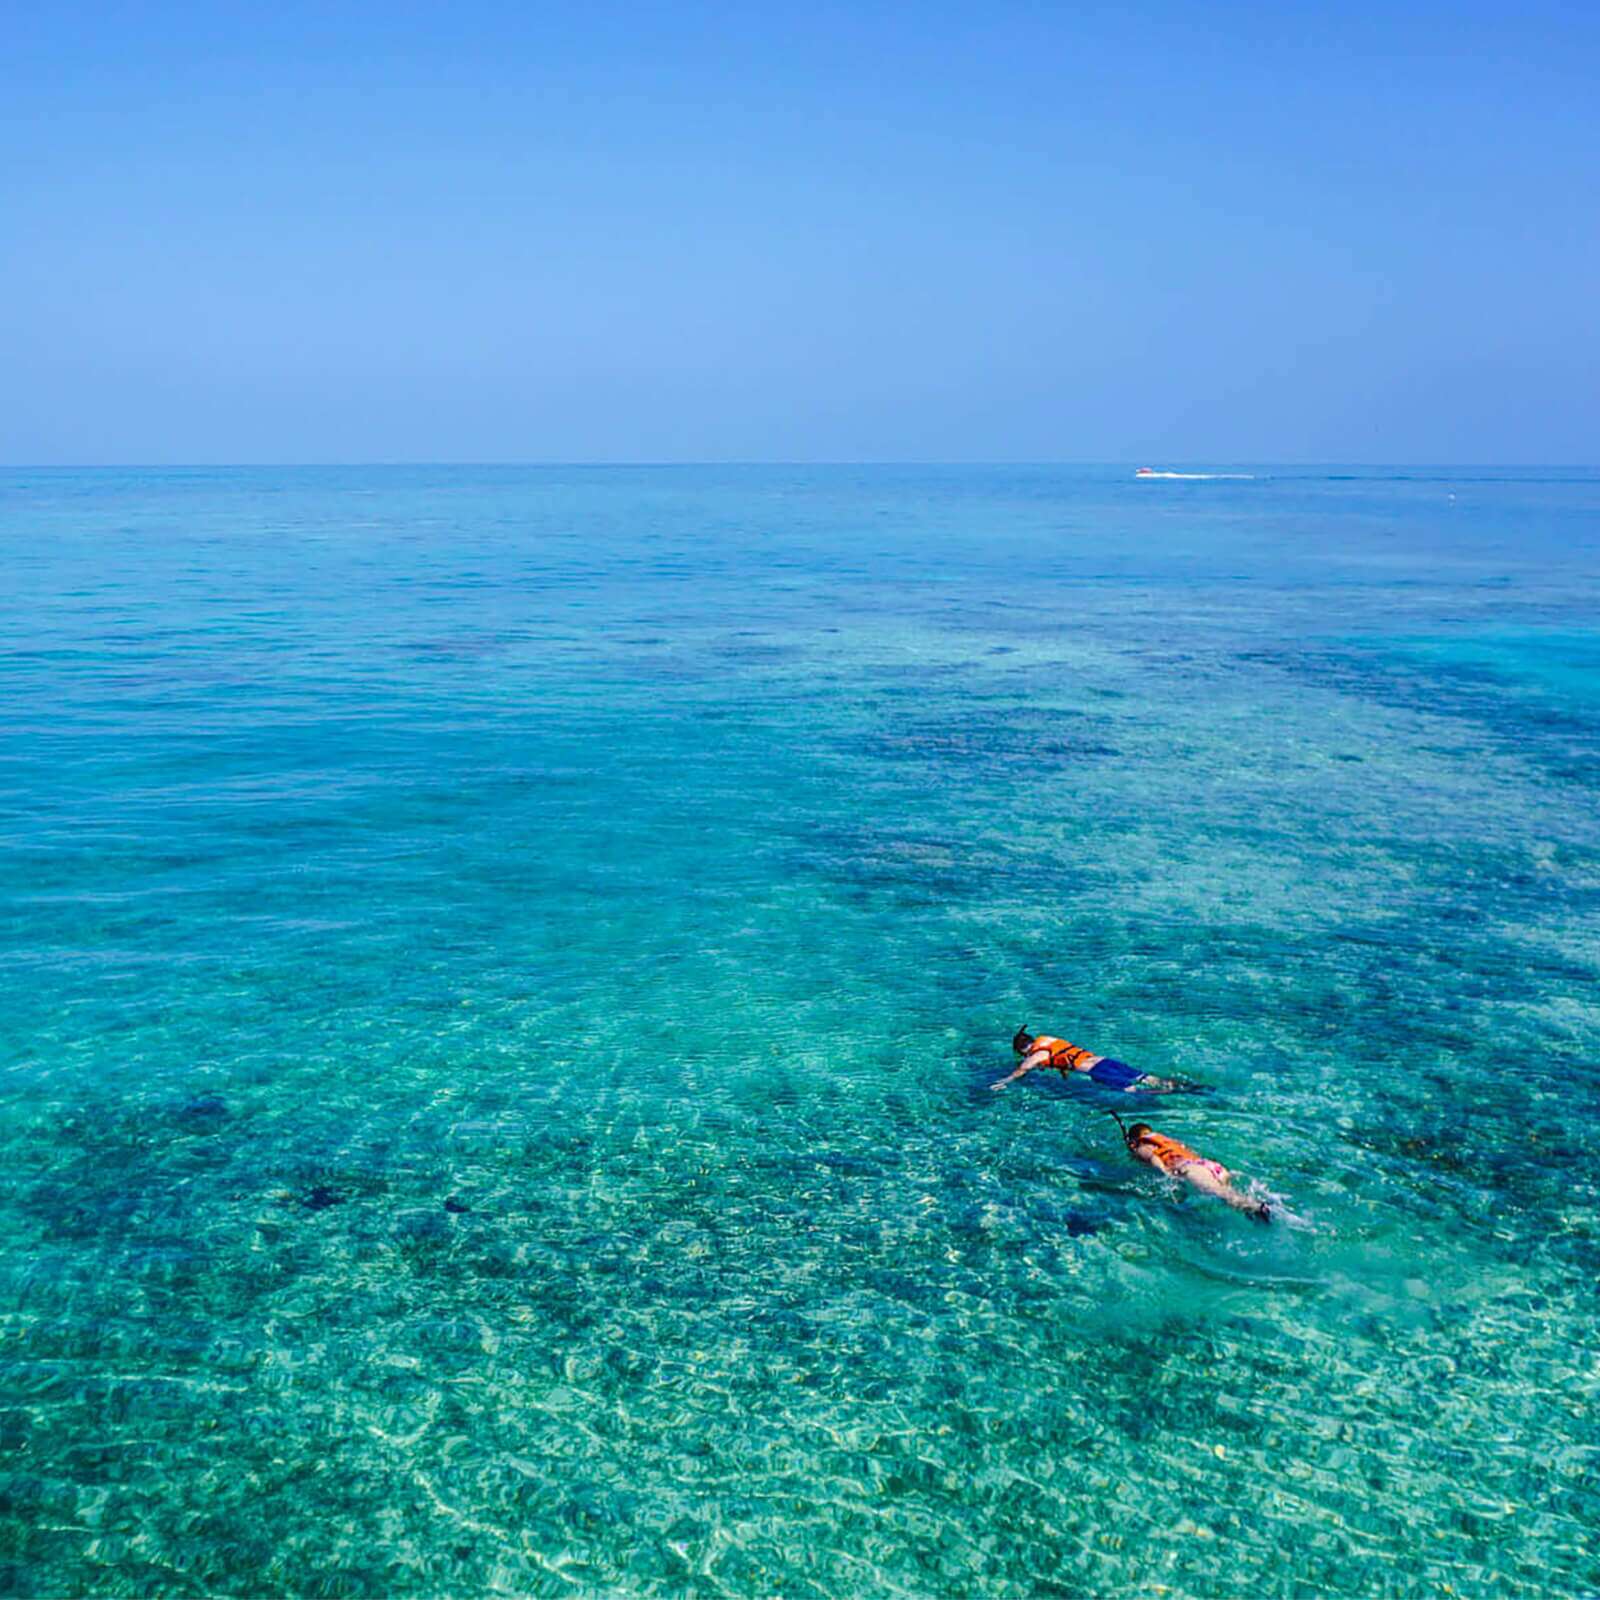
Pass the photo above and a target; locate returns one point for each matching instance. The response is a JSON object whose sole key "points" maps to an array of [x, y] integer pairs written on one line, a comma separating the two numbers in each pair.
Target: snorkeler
{"points": [[1179, 1161], [1043, 1050]]}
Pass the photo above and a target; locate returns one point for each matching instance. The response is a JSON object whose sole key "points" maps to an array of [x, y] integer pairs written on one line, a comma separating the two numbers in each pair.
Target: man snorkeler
{"points": [[1181, 1163], [1044, 1050]]}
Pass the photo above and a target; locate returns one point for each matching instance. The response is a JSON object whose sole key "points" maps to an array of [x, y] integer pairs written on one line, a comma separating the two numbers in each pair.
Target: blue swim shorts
{"points": [[1113, 1074]]}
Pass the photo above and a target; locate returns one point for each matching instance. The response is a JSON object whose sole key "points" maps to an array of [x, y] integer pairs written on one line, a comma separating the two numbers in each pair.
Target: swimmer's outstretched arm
{"points": [[1035, 1058]]}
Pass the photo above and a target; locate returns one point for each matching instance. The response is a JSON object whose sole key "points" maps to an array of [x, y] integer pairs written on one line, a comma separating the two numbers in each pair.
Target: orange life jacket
{"points": [[1166, 1153], [1064, 1057]]}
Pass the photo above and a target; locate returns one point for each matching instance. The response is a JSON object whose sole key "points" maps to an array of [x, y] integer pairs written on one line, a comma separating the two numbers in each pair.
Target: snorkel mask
{"points": [[1130, 1136]]}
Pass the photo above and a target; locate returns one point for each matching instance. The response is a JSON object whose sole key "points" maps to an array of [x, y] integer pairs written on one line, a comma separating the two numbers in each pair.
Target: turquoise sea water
{"points": [[500, 972]]}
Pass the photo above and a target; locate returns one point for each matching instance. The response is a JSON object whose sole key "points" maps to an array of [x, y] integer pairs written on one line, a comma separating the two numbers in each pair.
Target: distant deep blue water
{"points": [[654, 865]]}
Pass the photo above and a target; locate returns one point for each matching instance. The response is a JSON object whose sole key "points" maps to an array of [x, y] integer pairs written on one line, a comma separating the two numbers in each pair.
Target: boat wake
{"points": [[1149, 472]]}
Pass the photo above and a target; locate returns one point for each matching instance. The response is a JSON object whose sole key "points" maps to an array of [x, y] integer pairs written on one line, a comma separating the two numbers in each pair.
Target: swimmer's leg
{"points": [[1209, 1179], [1256, 1210], [1202, 1175]]}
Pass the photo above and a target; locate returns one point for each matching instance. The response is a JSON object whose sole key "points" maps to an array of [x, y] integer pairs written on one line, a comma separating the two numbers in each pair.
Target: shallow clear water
{"points": [[654, 865]]}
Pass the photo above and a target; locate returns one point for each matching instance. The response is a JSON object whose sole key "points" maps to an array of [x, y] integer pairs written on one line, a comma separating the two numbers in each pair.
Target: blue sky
{"points": [[690, 232]]}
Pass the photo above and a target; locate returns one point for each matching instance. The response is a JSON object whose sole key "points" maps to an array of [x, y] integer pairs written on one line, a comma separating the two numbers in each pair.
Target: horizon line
{"points": [[1133, 462]]}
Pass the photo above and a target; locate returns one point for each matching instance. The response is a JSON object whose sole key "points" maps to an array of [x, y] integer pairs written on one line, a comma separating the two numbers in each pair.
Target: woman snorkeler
{"points": [[1179, 1162]]}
